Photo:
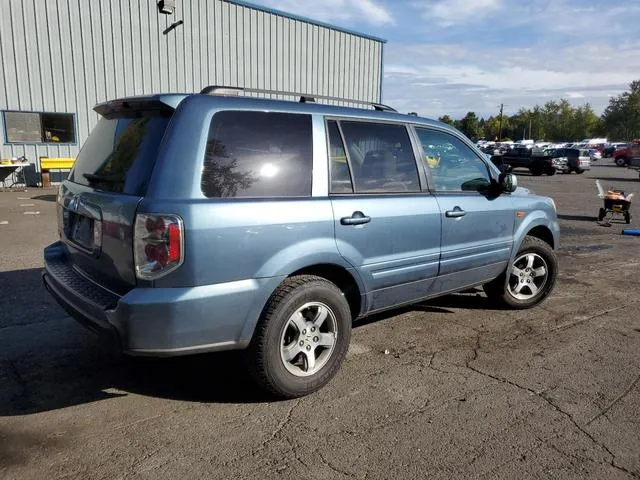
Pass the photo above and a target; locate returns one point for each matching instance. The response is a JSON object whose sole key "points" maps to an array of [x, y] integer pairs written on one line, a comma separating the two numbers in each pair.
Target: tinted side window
{"points": [[381, 157], [258, 154], [338, 165], [452, 164]]}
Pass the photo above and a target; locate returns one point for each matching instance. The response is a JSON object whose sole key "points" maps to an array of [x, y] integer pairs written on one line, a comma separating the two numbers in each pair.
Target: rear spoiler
{"points": [[159, 104]]}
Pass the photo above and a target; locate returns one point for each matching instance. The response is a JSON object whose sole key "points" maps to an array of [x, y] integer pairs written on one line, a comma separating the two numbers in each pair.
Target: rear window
{"points": [[258, 154], [120, 154]]}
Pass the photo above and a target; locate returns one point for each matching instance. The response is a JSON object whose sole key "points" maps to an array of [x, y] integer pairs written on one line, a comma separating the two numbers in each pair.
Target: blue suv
{"points": [[218, 221]]}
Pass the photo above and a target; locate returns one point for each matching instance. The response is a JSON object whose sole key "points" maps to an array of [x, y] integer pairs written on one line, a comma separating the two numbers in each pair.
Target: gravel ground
{"points": [[465, 391]]}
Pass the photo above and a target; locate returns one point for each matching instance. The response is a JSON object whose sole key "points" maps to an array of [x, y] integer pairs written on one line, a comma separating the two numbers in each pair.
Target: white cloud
{"points": [[367, 11], [454, 56], [453, 12], [449, 79]]}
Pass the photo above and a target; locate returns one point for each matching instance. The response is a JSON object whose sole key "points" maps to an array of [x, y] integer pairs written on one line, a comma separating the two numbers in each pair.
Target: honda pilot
{"points": [[218, 221]]}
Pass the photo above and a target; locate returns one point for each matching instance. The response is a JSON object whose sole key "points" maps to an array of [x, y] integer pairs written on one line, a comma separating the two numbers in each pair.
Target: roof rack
{"points": [[304, 97]]}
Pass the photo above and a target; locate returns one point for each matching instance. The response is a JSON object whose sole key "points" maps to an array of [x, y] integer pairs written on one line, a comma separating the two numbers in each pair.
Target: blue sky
{"points": [[454, 56]]}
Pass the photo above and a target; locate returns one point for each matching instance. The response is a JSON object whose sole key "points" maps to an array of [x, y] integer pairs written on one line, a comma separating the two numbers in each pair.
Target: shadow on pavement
{"points": [[48, 361], [379, 317], [578, 218], [472, 300], [46, 198]]}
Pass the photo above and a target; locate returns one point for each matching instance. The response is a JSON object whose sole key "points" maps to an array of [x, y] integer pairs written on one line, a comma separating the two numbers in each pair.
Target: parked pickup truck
{"points": [[522, 157]]}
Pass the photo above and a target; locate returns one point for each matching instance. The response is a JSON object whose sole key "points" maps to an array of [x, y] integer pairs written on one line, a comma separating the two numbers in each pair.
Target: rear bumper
{"points": [[160, 321]]}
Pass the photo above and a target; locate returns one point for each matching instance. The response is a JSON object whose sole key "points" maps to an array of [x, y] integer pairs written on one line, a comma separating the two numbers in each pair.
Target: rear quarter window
{"points": [[258, 154], [120, 154]]}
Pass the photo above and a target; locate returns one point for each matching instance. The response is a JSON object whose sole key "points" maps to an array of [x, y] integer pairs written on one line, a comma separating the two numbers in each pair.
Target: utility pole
{"points": [[529, 128], [500, 127]]}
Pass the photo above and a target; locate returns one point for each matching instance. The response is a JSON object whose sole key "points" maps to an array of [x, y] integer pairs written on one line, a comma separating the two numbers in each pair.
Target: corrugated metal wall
{"points": [[68, 55]]}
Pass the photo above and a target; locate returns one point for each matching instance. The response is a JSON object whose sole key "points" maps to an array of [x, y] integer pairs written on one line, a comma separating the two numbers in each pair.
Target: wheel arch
{"points": [[543, 233], [539, 226], [331, 267], [344, 279]]}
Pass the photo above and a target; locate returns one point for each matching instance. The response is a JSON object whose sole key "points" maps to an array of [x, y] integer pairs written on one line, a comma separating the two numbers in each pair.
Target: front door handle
{"points": [[356, 218], [457, 212]]}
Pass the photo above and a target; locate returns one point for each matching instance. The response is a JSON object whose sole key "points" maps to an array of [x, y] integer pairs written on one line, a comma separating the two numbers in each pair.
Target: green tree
{"points": [[621, 119], [491, 126], [554, 121], [446, 119], [585, 122], [470, 126]]}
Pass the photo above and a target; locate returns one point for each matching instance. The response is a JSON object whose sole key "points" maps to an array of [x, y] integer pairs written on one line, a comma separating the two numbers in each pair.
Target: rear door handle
{"points": [[457, 212], [356, 218]]}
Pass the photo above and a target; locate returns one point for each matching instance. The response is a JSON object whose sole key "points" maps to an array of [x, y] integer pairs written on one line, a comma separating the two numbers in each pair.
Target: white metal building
{"points": [[61, 57]]}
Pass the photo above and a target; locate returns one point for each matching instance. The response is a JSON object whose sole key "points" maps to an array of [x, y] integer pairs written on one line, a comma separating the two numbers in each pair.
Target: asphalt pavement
{"points": [[452, 388]]}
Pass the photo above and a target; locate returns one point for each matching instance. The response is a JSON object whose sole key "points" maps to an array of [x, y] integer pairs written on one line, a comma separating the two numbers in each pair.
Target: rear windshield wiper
{"points": [[92, 177]]}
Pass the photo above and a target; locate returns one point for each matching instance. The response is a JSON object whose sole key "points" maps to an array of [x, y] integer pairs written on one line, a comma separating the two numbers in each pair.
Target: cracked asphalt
{"points": [[465, 390]]}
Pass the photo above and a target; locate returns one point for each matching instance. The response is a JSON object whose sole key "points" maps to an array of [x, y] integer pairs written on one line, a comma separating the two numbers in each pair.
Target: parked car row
{"points": [[549, 160], [595, 148]]}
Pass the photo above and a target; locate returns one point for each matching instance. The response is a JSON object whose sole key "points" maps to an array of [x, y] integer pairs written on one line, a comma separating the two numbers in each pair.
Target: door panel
{"points": [[386, 226], [398, 251], [483, 236], [477, 229]]}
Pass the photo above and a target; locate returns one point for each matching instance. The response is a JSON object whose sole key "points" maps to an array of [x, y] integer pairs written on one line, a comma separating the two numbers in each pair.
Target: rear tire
{"points": [[551, 172], [531, 277], [536, 172], [621, 161], [301, 338], [579, 171]]}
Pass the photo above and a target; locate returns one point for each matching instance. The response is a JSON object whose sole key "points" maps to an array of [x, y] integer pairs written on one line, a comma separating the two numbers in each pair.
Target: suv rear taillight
{"points": [[158, 245]]}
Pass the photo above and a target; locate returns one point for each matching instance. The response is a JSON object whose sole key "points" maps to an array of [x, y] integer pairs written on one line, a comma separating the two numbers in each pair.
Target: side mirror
{"points": [[508, 182]]}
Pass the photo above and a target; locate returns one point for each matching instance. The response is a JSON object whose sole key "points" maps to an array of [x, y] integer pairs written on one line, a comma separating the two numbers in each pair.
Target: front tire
{"points": [[531, 277], [301, 338], [579, 171]]}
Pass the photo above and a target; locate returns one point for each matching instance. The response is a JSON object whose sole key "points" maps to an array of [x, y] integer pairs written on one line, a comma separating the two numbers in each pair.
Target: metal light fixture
{"points": [[167, 7]]}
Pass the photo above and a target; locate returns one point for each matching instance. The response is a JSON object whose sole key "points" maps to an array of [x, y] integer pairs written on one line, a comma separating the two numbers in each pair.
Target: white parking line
{"points": [[31, 213], [27, 204], [24, 198], [4, 222]]}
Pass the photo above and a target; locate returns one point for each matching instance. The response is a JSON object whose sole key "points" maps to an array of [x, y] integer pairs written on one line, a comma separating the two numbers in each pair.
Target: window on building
{"points": [[258, 154], [381, 156], [39, 127]]}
